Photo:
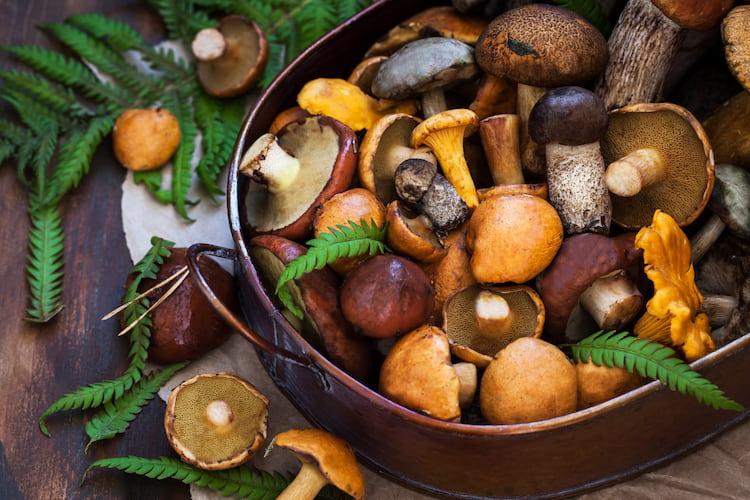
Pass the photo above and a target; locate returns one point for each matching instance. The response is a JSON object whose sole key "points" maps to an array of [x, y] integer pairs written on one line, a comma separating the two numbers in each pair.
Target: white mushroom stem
{"points": [[306, 485], [492, 313], [575, 177], [719, 309], [639, 169], [269, 164], [219, 414], [612, 301], [468, 380], [433, 102], [208, 45], [705, 237]]}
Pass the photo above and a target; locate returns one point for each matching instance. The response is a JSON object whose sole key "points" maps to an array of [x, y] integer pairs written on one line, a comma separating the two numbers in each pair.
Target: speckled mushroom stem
{"points": [[306, 485], [641, 49]]}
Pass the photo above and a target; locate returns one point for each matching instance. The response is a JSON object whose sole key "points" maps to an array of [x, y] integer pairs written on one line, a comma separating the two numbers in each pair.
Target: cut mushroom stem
{"points": [[467, 380], [631, 174], [493, 313], [500, 139], [208, 45], [267, 163], [219, 415], [705, 237], [613, 300]]}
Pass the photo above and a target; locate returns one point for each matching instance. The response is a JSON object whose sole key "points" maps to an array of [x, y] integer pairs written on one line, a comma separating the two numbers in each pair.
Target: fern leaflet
{"points": [[178, 103], [44, 266]]}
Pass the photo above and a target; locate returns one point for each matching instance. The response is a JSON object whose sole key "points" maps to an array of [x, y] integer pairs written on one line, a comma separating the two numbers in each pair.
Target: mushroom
{"points": [[453, 271], [286, 117], [540, 46], [480, 321], [280, 201], [347, 103], [644, 42], [512, 238], [658, 157], [569, 121], [418, 182], [444, 134], [600, 383], [418, 374], [734, 28], [231, 57], [528, 381], [411, 234], [364, 73], [385, 145], [728, 130], [145, 139], [423, 68], [387, 295], [493, 96], [216, 421], [599, 264], [316, 293], [672, 314], [326, 459], [500, 136]]}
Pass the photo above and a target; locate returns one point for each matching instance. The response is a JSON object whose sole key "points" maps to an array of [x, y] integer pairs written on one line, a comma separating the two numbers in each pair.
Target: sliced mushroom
{"points": [[231, 57]]}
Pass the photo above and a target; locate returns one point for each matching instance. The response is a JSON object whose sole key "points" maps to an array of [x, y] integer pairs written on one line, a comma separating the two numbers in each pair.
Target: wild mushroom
{"points": [[480, 321], [418, 374], [306, 163], [528, 381], [493, 96], [598, 266], [326, 459], [444, 134], [216, 421], [672, 314], [453, 271], [423, 68], [145, 139], [347, 103], [728, 130], [364, 73], [500, 136], [411, 234], [658, 157], [569, 122], [387, 295], [316, 294], [600, 383], [231, 57], [512, 238], [540, 46], [385, 145]]}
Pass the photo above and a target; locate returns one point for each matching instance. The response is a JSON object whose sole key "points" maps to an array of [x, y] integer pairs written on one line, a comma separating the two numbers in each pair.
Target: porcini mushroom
{"points": [[326, 459], [280, 201], [231, 57], [145, 139], [569, 121], [216, 420], [658, 157]]}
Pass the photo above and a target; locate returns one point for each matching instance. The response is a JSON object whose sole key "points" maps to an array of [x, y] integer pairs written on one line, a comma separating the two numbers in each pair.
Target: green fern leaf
{"points": [[208, 120], [152, 180], [178, 103], [180, 19], [118, 34], [589, 10], [653, 360], [7, 150], [32, 112], [116, 415], [315, 19], [61, 100]]}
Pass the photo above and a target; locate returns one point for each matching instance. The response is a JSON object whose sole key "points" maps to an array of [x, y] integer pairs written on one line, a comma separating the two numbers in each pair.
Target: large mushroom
{"points": [[292, 172], [728, 130]]}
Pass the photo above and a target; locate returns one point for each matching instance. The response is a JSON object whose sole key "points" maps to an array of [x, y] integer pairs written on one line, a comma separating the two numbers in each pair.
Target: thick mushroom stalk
{"points": [[500, 141], [305, 485], [629, 175], [444, 133], [208, 45], [267, 163], [493, 313], [612, 300]]}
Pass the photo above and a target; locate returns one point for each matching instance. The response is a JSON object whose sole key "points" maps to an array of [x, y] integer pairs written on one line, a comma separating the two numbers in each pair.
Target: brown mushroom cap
{"points": [[687, 173], [453, 271], [145, 139], [329, 455], [242, 62], [216, 420], [728, 130], [734, 33], [411, 235], [600, 383], [543, 46], [326, 150], [698, 15]]}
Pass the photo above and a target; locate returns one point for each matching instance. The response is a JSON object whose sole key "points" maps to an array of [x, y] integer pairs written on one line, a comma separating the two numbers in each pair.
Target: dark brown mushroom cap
{"points": [[698, 15], [242, 63], [582, 259], [316, 293], [568, 115], [424, 65], [730, 199], [327, 151], [543, 46]]}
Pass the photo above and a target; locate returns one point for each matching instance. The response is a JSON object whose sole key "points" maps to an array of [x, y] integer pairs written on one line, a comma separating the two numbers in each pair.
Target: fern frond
{"points": [[44, 265], [314, 20], [653, 360], [589, 10], [32, 112], [7, 150], [208, 120], [118, 34], [116, 415], [178, 103], [152, 180], [60, 100], [181, 21]]}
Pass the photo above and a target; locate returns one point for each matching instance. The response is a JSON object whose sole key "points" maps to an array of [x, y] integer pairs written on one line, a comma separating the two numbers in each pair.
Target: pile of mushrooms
{"points": [[533, 192]]}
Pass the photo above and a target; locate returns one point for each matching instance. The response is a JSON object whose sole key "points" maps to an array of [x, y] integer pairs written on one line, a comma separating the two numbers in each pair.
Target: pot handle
{"points": [[193, 253]]}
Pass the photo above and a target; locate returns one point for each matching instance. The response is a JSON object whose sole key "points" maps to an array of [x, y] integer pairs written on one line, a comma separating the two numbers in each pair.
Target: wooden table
{"points": [[41, 362]]}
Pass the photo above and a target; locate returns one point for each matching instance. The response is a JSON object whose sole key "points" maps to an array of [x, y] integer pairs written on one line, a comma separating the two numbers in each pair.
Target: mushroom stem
{"points": [[500, 136], [705, 237], [629, 175], [219, 414], [612, 301], [719, 309], [493, 314], [209, 44], [306, 485], [433, 102], [532, 153], [267, 163], [467, 379]]}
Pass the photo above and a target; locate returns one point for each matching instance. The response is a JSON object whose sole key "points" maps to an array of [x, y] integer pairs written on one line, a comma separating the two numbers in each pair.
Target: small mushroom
{"points": [[658, 157], [326, 459], [411, 234], [216, 421], [444, 133], [423, 68], [364, 73], [145, 139], [480, 321], [231, 57], [569, 121], [306, 163], [600, 383]]}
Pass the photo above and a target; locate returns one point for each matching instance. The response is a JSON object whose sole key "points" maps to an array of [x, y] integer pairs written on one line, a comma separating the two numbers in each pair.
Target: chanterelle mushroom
{"points": [[326, 459], [216, 420]]}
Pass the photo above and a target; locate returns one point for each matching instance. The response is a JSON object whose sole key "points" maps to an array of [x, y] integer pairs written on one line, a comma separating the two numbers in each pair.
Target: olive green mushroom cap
{"points": [[543, 46]]}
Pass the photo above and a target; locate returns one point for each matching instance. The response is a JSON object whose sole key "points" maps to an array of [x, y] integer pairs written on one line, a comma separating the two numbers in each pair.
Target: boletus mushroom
{"points": [[215, 421]]}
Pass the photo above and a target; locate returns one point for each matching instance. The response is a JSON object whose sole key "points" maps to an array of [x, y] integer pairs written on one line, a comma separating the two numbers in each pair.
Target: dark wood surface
{"points": [[41, 362]]}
